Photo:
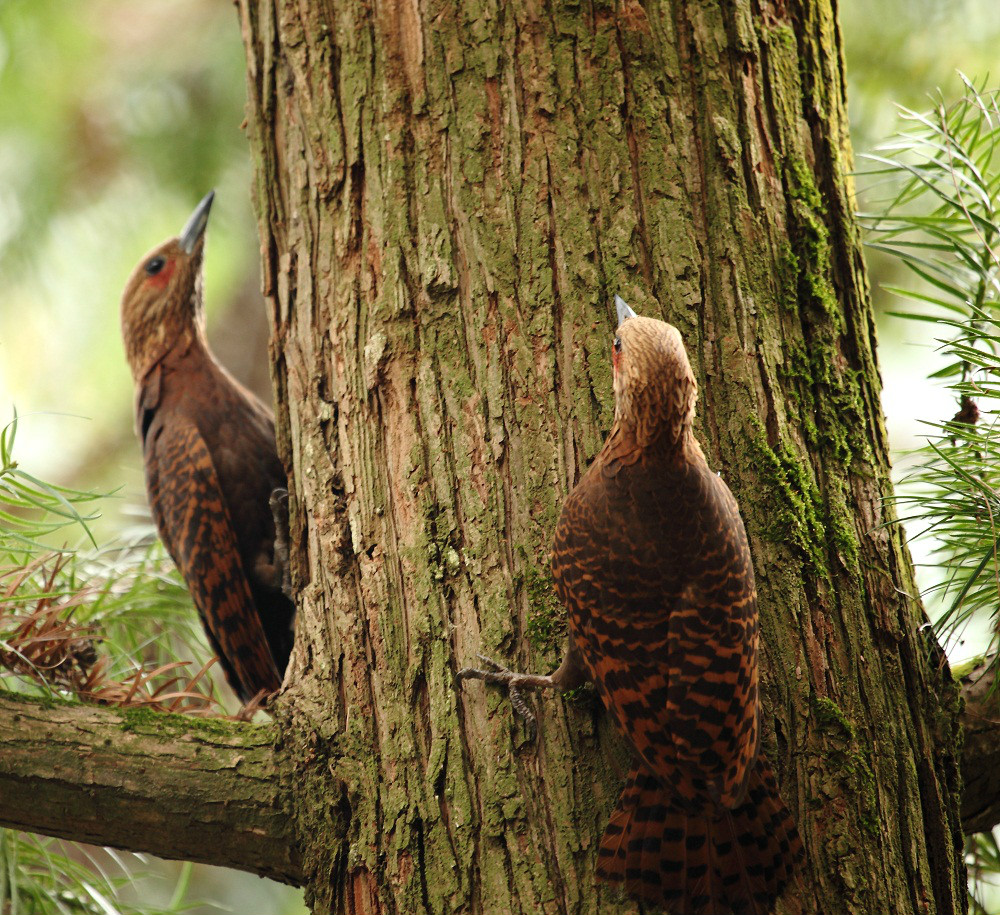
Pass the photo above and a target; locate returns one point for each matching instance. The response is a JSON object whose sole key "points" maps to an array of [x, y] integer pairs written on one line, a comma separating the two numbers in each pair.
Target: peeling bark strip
{"points": [[174, 786], [449, 194]]}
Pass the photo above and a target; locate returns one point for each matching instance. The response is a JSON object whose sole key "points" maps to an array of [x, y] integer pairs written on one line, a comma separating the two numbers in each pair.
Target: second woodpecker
{"points": [[212, 469], [652, 562]]}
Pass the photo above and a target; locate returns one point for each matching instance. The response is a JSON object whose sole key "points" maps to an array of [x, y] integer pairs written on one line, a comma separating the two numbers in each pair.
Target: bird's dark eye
{"points": [[618, 344], [154, 265]]}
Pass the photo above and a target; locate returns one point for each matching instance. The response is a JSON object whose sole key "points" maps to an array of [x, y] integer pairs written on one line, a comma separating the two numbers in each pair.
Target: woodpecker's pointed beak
{"points": [[623, 310], [195, 227]]}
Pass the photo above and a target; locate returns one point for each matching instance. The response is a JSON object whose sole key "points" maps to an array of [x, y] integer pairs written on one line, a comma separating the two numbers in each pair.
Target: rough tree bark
{"points": [[980, 748], [450, 194]]}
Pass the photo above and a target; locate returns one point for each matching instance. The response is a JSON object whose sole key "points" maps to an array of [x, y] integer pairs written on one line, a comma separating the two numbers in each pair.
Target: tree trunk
{"points": [[450, 194], [980, 748]]}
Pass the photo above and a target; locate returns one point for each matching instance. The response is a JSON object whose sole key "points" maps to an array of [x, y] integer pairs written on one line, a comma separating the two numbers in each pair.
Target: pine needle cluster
{"points": [[940, 221], [111, 625]]}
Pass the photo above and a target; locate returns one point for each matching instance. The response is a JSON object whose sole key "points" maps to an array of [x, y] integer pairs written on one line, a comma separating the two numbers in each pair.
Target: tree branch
{"points": [[981, 753], [211, 790], [174, 786]]}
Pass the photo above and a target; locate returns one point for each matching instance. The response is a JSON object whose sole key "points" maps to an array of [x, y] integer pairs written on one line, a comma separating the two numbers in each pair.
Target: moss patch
{"points": [[796, 505], [847, 758], [829, 713], [546, 618]]}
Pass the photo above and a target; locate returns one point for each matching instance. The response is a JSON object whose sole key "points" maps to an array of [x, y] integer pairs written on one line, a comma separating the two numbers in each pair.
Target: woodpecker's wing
{"points": [[659, 588], [189, 510], [670, 633], [712, 659]]}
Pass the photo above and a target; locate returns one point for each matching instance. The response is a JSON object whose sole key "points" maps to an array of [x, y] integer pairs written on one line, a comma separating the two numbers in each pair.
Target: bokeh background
{"points": [[116, 116]]}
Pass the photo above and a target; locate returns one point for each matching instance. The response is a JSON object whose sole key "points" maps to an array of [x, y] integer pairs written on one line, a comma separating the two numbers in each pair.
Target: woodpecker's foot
{"points": [[514, 682], [249, 709], [279, 510]]}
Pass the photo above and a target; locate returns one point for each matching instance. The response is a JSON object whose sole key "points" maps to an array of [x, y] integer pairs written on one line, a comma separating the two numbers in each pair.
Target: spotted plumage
{"points": [[211, 465], [651, 561]]}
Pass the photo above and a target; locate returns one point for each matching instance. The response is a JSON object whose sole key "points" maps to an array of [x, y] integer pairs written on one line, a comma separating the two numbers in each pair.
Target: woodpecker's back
{"points": [[652, 562]]}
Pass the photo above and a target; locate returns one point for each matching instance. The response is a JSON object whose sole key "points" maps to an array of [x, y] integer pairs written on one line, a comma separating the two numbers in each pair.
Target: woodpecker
{"points": [[652, 563], [212, 469]]}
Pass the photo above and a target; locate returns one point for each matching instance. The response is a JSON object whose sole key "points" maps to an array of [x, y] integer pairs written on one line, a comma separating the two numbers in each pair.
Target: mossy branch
{"points": [[211, 791]]}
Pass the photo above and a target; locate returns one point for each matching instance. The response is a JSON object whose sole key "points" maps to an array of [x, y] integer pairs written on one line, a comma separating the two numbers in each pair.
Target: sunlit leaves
{"points": [[39, 875], [30, 509]]}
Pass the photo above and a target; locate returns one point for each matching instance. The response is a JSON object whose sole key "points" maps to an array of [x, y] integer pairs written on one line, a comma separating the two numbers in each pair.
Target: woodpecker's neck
{"points": [[654, 418], [175, 330]]}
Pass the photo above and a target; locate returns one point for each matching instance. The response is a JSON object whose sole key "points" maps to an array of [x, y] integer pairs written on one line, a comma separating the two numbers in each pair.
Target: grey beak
{"points": [[195, 227], [623, 310]]}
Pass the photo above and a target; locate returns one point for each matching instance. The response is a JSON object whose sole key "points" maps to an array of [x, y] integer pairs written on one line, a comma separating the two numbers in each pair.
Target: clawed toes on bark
{"points": [[515, 682], [255, 704], [279, 511]]}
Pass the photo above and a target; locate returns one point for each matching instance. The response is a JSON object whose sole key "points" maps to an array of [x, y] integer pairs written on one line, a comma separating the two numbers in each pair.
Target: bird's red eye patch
{"points": [[616, 352], [159, 270]]}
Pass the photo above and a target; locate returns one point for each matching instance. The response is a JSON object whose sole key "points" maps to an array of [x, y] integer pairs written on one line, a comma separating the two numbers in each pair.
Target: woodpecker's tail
{"points": [[733, 863]]}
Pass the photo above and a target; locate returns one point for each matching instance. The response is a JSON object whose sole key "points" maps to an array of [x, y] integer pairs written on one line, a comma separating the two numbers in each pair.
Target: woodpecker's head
{"points": [[655, 390], [163, 297]]}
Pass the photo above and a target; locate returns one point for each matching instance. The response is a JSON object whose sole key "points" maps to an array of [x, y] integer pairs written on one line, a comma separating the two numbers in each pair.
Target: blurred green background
{"points": [[116, 116]]}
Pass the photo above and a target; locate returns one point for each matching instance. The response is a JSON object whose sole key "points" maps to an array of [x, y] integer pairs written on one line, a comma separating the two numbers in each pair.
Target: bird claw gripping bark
{"points": [[254, 705], [279, 510], [514, 682]]}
